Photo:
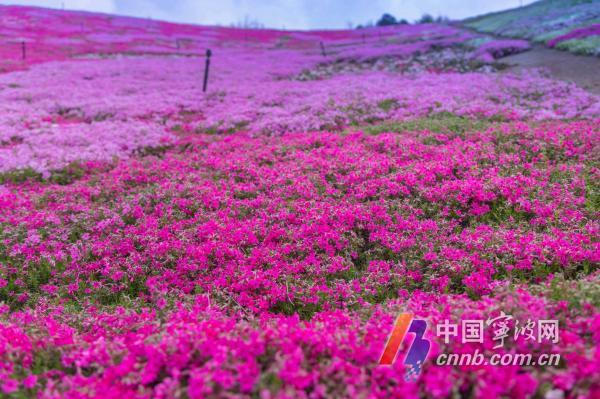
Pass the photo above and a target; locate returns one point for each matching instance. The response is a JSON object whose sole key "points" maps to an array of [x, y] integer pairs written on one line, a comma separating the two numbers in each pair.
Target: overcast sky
{"points": [[289, 14]]}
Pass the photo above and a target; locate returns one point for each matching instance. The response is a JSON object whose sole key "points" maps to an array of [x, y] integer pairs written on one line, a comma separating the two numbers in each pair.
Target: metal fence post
{"points": [[206, 68]]}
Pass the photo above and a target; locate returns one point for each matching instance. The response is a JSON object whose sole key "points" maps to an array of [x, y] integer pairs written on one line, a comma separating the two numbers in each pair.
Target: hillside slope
{"points": [[572, 25]]}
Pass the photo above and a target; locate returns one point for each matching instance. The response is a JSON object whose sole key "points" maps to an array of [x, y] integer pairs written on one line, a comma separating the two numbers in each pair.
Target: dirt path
{"points": [[583, 70]]}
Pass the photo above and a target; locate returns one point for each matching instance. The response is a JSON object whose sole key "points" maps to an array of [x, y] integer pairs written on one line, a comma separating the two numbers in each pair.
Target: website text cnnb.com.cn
{"points": [[497, 359]]}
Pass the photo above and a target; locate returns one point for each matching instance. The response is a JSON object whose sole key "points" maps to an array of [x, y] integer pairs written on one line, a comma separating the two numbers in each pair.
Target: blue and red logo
{"points": [[418, 350]]}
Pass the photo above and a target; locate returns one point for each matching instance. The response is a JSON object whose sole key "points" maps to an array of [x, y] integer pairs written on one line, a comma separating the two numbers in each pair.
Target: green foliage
{"points": [[575, 293], [425, 19], [219, 129], [68, 174], [289, 308], [544, 20], [135, 288], [387, 20], [63, 176], [384, 293], [20, 176], [46, 359], [388, 104], [586, 46], [501, 211], [270, 381], [443, 122], [592, 196], [158, 151], [242, 195], [29, 279]]}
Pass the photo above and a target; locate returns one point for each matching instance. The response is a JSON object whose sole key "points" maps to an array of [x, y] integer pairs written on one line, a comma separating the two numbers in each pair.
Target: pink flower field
{"points": [[259, 239]]}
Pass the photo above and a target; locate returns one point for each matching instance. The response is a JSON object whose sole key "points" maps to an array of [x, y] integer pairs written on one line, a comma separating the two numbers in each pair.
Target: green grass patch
{"points": [[68, 174], [388, 104], [592, 195], [63, 176], [20, 176], [443, 122]]}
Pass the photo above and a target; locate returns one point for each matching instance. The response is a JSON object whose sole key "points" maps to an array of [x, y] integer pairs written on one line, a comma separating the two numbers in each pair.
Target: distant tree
{"points": [[426, 19], [367, 25], [403, 22], [442, 19], [386, 20], [248, 23]]}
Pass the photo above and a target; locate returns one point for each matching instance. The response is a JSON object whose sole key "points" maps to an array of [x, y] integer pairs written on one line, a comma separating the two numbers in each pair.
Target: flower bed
{"points": [[260, 239]]}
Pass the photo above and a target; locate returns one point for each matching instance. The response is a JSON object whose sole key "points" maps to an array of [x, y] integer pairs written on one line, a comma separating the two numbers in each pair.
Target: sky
{"points": [[287, 14]]}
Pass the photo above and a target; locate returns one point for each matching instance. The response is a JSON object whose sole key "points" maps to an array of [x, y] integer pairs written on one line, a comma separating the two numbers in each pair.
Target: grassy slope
{"points": [[544, 20]]}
